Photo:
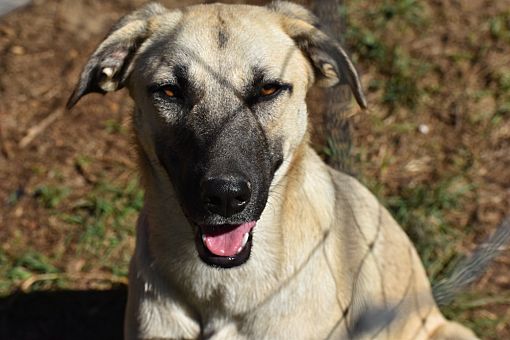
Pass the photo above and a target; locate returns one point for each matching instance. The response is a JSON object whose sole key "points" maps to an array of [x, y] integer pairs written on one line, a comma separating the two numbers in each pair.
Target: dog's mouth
{"points": [[225, 246]]}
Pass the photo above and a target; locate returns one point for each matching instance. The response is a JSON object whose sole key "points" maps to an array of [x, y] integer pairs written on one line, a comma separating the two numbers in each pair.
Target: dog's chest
{"points": [[304, 307]]}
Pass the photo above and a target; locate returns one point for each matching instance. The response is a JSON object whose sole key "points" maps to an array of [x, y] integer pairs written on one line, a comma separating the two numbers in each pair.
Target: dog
{"points": [[245, 232]]}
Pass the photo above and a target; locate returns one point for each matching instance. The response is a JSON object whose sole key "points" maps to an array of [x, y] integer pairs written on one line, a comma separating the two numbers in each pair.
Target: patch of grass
{"points": [[399, 73], [501, 81], [5, 267], [499, 27], [50, 196], [15, 270], [410, 12], [504, 81], [99, 235], [15, 196], [35, 262], [381, 14], [113, 126], [484, 324], [402, 86], [422, 212], [105, 220], [366, 44], [82, 161], [337, 153]]}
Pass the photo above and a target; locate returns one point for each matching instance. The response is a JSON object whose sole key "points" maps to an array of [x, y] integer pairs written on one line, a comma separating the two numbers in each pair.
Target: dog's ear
{"points": [[110, 65], [330, 61]]}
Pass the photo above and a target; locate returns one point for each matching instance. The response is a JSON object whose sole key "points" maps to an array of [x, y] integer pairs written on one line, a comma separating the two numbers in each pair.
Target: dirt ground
{"points": [[434, 146]]}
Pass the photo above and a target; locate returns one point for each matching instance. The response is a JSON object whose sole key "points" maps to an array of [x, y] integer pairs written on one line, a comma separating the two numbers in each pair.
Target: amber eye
{"points": [[169, 92], [269, 89]]}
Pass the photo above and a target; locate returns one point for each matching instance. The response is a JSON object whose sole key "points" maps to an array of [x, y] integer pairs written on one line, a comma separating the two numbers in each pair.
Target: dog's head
{"points": [[220, 105]]}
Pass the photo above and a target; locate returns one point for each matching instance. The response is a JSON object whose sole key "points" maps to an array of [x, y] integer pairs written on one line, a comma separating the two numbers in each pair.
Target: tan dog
{"points": [[246, 233]]}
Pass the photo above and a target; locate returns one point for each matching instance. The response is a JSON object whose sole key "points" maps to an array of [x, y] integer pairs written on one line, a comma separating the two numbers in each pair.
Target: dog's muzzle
{"points": [[225, 245]]}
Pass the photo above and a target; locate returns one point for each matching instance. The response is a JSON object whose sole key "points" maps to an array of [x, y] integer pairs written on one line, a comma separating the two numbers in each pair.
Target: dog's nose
{"points": [[226, 196]]}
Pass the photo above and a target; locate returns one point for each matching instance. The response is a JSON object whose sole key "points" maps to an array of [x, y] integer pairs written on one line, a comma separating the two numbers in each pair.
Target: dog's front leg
{"points": [[154, 311], [228, 331]]}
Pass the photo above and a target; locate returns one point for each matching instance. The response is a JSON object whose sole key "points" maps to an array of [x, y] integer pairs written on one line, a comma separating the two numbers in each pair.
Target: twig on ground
{"points": [[25, 285], [35, 130]]}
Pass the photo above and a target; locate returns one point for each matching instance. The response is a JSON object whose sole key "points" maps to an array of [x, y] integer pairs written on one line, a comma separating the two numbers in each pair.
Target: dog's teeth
{"points": [[203, 238], [245, 239], [239, 250]]}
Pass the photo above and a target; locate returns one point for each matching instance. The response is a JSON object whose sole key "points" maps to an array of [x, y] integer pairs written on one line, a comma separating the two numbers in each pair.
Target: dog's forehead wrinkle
{"points": [[251, 44], [223, 34], [249, 39]]}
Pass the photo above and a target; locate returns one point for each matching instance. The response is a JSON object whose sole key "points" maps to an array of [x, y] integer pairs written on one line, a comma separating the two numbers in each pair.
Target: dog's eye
{"points": [[170, 91], [269, 89]]}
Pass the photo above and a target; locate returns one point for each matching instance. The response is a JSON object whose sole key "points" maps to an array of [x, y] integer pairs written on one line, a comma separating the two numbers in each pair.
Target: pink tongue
{"points": [[226, 242]]}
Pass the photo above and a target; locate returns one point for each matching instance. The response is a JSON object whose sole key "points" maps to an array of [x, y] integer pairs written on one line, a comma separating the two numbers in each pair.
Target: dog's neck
{"points": [[307, 190]]}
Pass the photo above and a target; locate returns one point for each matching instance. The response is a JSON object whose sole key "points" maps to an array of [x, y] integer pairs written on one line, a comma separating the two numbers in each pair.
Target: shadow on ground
{"points": [[68, 314]]}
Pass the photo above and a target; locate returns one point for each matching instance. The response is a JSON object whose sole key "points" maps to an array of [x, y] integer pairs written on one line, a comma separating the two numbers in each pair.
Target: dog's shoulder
{"points": [[355, 201], [380, 255], [363, 221], [351, 188]]}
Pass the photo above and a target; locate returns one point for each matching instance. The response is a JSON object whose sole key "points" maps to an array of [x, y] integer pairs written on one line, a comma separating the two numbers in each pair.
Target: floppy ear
{"points": [[109, 66], [330, 61]]}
